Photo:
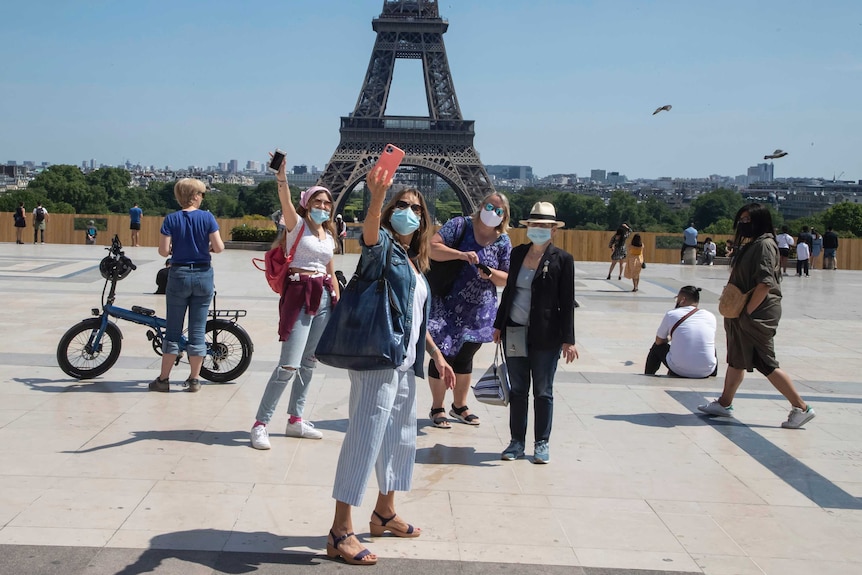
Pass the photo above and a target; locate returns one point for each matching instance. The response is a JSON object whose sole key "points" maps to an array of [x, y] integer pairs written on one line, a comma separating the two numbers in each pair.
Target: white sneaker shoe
{"points": [[798, 418], [715, 408], [302, 429], [260, 437]]}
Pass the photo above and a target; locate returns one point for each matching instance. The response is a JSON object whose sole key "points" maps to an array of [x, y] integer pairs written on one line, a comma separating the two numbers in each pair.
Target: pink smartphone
{"points": [[390, 159]]}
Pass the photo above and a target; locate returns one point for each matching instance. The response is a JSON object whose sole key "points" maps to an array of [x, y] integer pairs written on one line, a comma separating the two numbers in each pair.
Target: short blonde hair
{"points": [[503, 226], [186, 189]]}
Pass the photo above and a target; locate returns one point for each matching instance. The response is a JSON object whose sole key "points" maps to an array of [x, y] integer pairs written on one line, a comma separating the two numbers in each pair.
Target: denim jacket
{"points": [[403, 282]]}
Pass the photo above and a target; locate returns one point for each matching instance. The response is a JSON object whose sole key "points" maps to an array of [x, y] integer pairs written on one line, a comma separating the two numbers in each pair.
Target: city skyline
{"points": [[191, 81]]}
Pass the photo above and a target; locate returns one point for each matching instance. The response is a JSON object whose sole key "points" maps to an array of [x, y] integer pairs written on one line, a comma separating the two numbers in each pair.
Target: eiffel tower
{"points": [[441, 143]]}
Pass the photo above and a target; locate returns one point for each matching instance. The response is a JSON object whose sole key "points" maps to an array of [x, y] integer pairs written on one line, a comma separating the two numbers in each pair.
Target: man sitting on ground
{"points": [[692, 331]]}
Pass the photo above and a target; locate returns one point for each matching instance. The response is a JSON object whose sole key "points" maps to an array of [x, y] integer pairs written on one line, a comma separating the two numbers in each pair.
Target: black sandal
{"points": [[457, 413], [439, 422]]}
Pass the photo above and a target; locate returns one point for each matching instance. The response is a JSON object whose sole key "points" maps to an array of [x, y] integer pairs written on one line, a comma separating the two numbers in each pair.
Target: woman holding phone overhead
{"points": [[381, 431], [303, 309]]}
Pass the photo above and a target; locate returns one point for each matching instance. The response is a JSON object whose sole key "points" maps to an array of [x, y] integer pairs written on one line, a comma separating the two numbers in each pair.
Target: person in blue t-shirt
{"points": [[135, 214], [188, 236], [689, 240]]}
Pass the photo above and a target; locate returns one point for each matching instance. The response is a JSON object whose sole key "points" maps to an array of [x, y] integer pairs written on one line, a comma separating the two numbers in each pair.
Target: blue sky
{"points": [[563, 86]]}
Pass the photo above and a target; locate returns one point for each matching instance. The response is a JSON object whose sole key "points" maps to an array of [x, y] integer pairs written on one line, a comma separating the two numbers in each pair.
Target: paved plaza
{"points": [[102, 477]]}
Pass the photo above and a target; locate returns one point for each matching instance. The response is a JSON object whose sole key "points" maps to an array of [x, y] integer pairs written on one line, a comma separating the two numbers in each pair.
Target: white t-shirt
{"points": [[692, 348], [420, 294], [312, 253], [784, 240], [802, 251]]}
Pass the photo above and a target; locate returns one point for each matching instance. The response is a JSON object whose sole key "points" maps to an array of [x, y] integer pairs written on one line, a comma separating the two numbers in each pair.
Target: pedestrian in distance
{"points": [[785, 242], [635, 261], [340, 232], [685, 340], [40, 222], [20, 217], [689, 240], [816, 249], [462, 320], [135, 215], [750, 337], [830, 249], [710, 250], [304, 307], [162, 278], [617, 245], [189, 236], [381, 432], [802, 256], [536, 323]]}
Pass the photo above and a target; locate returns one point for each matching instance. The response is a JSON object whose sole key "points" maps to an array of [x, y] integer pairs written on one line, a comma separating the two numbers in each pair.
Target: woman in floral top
{"points": [[461, 321]]}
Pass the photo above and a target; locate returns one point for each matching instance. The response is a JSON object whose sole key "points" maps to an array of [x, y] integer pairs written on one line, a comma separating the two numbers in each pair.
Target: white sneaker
{"points": [[302, 429], [259, 437], [715, 408], [798, 418]]}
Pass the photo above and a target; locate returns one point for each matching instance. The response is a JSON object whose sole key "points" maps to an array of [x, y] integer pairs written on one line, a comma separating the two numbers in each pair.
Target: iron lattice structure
{"points": [[441, 142]]}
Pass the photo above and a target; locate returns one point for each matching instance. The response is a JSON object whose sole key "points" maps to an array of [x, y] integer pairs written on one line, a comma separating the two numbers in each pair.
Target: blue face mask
{"points": [[405, 222], [318, 216], [539, 236]]}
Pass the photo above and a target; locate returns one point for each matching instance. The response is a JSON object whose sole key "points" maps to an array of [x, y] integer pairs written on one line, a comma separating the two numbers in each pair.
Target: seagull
{"points": [[666, 108], [775, 154]]}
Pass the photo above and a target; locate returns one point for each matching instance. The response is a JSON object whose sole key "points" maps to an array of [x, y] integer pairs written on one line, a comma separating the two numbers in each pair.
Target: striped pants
{"points": [[381, 433]]}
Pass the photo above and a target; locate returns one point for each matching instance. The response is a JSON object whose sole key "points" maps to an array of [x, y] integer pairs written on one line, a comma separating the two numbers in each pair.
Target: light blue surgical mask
{"points": [[539, 236], [405, 222], [318, 216]]}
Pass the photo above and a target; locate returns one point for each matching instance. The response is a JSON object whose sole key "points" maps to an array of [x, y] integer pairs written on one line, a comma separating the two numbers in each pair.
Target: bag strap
{"points": [[289, 257], [682, 319]]}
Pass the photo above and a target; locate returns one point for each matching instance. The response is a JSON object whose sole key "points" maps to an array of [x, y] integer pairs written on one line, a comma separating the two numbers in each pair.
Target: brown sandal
{"points": [[332, 551]]}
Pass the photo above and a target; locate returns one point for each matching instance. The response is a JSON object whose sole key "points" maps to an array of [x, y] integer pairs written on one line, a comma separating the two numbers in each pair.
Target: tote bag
{"points": [[441, 275], [366, 328], [493, 387]]}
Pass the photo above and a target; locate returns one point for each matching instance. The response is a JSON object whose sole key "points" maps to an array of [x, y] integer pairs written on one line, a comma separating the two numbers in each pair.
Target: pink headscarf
{"points": [[304, 197]]}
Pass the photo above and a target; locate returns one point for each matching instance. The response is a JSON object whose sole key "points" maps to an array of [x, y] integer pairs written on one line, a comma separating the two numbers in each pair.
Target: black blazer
{"points": [[552, 305]]}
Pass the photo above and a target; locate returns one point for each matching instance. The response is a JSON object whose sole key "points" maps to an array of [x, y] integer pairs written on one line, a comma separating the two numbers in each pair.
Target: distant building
{"points": [[760, 173], [506, 172], [222, 166], [233, 166], [299, 170], [598, 176]]}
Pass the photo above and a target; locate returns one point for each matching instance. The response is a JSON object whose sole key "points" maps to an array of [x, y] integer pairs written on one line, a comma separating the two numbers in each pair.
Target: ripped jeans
{"points": [[297, 354]]}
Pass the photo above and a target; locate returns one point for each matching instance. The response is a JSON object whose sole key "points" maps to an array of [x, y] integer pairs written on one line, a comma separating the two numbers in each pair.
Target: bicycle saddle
{"points": [[143, 310]]}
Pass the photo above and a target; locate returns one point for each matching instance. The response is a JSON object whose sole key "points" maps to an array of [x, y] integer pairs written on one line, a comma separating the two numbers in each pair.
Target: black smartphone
{"points": [[277, 159], [485, 269]]}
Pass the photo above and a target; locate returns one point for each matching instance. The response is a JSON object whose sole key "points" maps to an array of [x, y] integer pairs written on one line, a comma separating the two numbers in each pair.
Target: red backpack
{"points": [[275, 264]]}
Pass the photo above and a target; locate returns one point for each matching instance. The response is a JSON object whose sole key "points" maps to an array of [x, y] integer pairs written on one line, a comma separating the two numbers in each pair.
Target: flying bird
{"points": [[775, 154], [665, 108]]}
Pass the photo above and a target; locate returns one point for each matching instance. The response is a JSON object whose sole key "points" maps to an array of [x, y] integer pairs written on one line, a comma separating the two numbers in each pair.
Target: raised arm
{"points": [[288, 212], [378, 181]]}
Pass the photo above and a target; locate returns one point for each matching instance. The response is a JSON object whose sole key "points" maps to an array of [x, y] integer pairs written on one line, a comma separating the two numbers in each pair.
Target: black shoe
{"points": [[192, 385], [163, 385]]}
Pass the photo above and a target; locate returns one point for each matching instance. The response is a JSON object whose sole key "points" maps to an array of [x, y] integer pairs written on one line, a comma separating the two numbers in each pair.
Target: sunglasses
{"points": [[496, 210], [402, 205]]}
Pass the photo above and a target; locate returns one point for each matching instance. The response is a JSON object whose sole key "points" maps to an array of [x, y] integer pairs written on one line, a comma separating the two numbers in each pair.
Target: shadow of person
{"points": [[228, 438], [668, 420], [163, 549], [442, 454], [74, 385]]}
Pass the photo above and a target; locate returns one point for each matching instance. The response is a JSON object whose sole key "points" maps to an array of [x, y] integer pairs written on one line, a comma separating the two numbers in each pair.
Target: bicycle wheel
{"points": [[229, 350], [77, 359]]}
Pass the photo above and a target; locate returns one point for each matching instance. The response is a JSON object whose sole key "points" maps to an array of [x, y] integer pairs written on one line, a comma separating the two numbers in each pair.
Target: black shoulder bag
{"points": [[442, 275]]}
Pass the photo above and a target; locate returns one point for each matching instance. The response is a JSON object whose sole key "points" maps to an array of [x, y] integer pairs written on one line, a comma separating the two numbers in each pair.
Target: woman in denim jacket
{"points": [[381, 432]]}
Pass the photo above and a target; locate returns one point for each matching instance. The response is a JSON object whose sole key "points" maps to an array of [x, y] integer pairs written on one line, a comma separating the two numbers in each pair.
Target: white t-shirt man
{"points": [[692, 346]]}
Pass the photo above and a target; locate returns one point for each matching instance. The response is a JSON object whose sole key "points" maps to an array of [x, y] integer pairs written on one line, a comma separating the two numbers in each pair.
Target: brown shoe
{"points": [[158, 384], [192, 385]]}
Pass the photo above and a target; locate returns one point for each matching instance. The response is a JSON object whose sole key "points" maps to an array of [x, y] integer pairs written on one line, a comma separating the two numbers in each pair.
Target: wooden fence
{"points": [[587, 246]]}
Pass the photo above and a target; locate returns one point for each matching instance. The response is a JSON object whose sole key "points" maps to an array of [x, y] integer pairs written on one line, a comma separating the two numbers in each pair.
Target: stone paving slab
{"points": [[103, 477]]}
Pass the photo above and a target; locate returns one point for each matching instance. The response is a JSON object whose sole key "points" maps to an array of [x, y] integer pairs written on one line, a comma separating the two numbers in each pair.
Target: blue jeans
{"points": [[188, 289], [297, 353], [542, 366]]}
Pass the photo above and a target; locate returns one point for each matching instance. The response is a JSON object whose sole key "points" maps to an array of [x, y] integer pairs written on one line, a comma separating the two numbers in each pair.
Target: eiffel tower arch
{"points": [[440, 143]]}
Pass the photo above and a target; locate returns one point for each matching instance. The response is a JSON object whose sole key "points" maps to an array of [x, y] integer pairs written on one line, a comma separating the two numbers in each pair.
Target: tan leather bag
{"points": [[731, 301]]}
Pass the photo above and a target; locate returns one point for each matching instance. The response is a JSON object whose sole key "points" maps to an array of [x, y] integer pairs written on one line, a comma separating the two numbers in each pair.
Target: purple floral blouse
{"points": [[468, 312]]}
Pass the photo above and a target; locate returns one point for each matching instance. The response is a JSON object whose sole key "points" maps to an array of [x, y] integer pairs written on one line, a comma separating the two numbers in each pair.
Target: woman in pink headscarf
{"points": [[306, 300]]}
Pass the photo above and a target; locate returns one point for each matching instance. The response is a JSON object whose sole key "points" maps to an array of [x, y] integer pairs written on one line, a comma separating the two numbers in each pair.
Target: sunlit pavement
{"points": [[104, 477]]}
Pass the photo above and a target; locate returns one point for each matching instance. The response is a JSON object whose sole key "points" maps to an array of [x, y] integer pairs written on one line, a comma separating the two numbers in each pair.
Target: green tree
{"points": [[845, 216], [66, 184], [622, 207], [712, 206]]}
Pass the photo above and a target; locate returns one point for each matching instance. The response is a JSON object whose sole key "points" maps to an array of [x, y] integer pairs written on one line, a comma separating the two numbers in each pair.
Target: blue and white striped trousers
{"points": [[381, 433]]}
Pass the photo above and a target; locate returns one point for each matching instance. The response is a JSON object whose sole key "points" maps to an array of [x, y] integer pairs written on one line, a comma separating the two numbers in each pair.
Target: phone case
{"points": [[390, 159], [276, 160]]}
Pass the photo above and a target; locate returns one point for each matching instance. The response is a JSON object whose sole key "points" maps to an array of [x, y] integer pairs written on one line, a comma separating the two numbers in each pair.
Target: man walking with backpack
{"points": [[40, 220]]}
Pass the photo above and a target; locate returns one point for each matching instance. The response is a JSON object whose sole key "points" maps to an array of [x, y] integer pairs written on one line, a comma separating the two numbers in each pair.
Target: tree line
{"points": [[65, 189]]}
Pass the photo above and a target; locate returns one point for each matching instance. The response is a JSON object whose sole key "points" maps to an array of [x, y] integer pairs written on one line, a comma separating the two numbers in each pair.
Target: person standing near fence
{"points": [[40, 222], [135, 215], [20, 223]]}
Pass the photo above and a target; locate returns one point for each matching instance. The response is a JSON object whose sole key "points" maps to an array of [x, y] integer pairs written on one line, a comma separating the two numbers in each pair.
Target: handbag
{"points": [[643, 265], [275, 264], [493, 387], [366, 328], [441, 276], [731, 301]]}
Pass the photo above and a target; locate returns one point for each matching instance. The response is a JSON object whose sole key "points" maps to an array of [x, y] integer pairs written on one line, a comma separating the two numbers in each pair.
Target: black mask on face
{"points": [[745, 229]]}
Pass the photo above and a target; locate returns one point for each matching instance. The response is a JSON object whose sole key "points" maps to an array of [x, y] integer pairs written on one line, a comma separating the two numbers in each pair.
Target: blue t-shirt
{"points": [[135, 214], [689, 236], [190, 235]]}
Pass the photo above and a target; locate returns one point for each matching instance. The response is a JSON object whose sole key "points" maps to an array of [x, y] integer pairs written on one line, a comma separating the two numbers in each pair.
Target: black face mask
{"points": [[745, 229]]}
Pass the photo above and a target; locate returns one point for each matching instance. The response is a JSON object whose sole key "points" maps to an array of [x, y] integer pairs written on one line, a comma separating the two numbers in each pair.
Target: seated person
{"points": [[709, 252], [162, 278], [92, 232], [692, 331]]}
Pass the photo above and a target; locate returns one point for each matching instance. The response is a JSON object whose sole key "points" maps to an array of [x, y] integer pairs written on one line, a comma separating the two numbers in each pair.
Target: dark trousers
{"points": [[541, 366], [658, 356], [801, 265]]}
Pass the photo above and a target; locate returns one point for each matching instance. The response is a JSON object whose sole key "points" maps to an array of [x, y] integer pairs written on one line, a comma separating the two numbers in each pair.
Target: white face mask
{"points": [[490, 219]]}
